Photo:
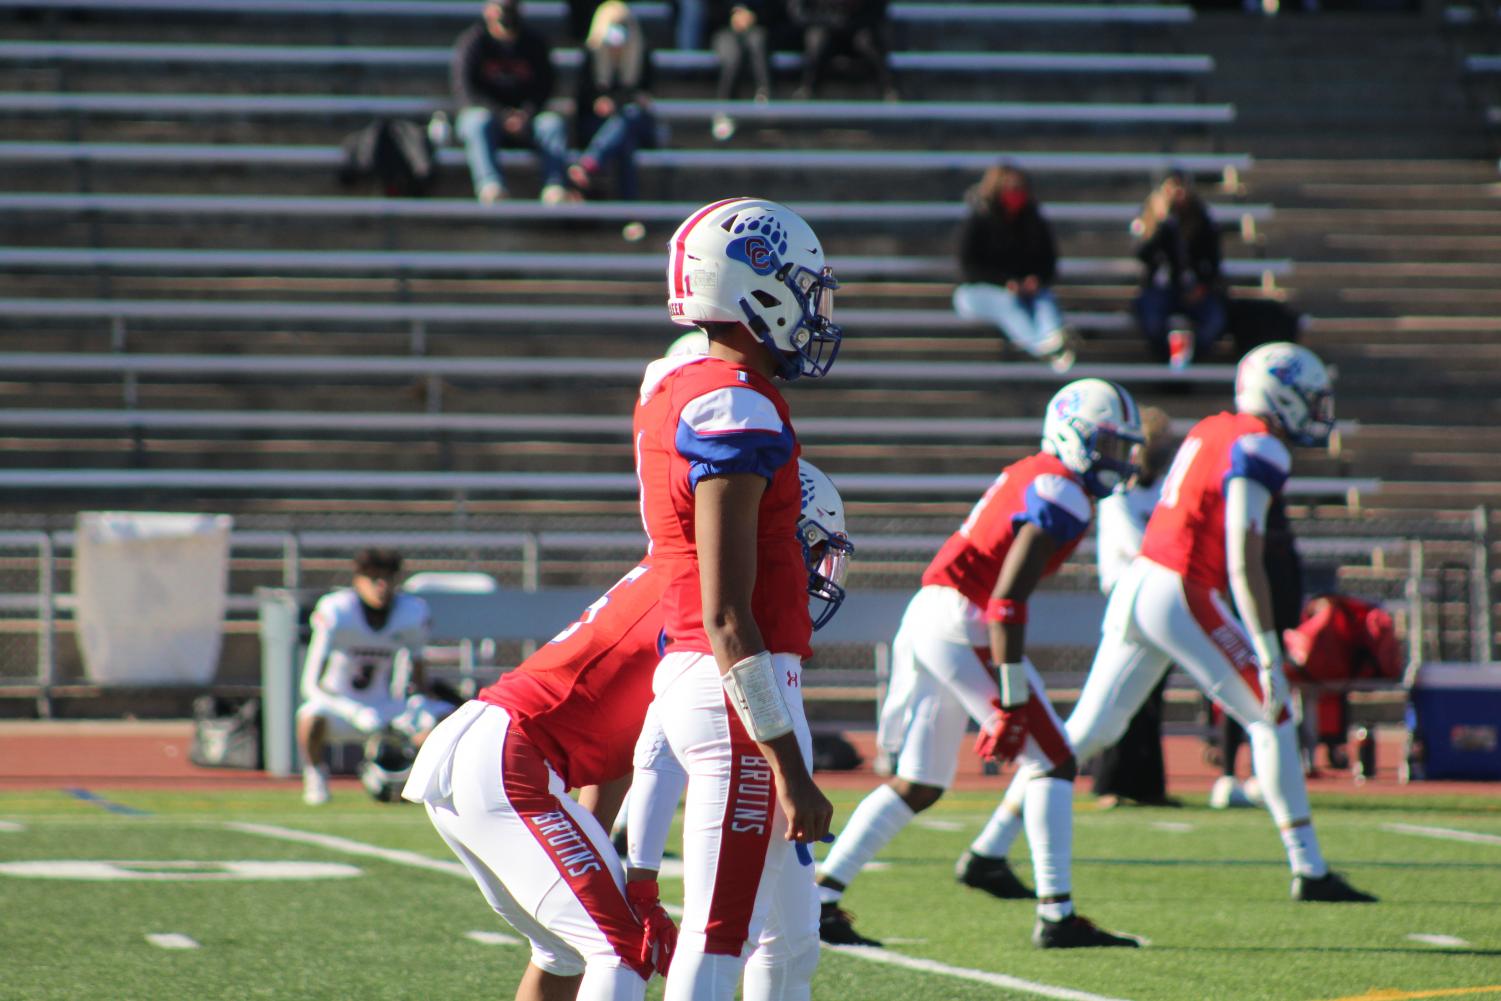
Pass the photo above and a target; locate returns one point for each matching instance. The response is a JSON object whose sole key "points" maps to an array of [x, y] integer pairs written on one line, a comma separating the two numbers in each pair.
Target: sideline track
{"points": [[886, 956]]}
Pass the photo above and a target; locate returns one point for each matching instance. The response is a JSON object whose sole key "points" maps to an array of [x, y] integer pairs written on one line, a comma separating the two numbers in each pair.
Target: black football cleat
{"points": [[993, 875], [1076, 932], [836, 927], [1329, 888]]}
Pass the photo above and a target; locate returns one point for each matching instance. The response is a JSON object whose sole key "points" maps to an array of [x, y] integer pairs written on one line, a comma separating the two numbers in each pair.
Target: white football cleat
{"points": [[1227, 793], [314, 786]]}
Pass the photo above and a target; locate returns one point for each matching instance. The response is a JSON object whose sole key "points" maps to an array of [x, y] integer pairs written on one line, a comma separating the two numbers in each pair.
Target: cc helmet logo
{"points": [[761, 245]]}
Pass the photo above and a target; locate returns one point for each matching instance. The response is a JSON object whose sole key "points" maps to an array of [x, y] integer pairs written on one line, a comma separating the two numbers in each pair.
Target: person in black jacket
{"points": [[613, 98], [1008, 261], [1179, 246], [833, 26], [501, 75]]}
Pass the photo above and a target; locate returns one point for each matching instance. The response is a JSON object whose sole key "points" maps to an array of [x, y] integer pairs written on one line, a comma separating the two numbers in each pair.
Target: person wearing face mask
{"points": [[1008, 261], [1179, 248], [501, 75], [614, 101]]}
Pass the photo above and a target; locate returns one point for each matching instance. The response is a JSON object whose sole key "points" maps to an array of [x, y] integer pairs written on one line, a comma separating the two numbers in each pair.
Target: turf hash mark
{"points": [[171, 940], [1444, 833]]}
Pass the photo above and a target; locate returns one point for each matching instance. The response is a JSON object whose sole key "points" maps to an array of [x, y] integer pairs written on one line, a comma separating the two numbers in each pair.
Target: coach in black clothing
{"points": [[502, 76]]}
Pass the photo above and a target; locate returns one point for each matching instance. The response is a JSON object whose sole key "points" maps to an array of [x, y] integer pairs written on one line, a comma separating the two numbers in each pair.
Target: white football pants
{"points": [[747, 903], [1155, 618]]}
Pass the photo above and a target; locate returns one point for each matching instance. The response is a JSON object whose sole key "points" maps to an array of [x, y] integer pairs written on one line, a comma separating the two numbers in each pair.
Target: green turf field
{"points": [[1207, 889]]}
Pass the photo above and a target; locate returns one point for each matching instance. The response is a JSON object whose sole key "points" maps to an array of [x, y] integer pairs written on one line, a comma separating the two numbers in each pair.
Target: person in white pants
{"points": [[959, 654], [1204, 540]]}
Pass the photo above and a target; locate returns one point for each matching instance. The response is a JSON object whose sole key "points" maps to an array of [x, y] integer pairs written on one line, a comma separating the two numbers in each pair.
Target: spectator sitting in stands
{"points": [[1179, 245], [614, 100], [502, 76], [1008, 260], [744, 33], [831, 27]]}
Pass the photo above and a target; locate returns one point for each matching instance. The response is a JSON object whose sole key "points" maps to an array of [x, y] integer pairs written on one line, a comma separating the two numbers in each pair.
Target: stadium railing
{"points": [[672, 60], [1228, 165], [120, 313], [555, 10], [784, 113], [1265, 271], [467, 210]]}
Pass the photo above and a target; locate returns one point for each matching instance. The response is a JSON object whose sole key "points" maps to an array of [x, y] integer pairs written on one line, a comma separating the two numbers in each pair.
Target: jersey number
{"points": [[975, 512], [1173, 481], [593, 610]]}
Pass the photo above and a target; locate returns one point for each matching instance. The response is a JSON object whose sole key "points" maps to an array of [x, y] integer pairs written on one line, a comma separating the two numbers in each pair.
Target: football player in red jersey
{"points": [[1202, 551], [716, 456], [959, 654]]}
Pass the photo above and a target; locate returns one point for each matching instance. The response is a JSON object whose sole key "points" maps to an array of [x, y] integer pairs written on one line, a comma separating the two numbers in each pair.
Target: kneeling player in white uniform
{"points": [[1205, 539], [965, 629], [346, 679]]}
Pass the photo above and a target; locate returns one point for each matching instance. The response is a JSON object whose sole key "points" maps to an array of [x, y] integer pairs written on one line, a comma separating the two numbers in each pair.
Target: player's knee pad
{"points": [[777, 975]]}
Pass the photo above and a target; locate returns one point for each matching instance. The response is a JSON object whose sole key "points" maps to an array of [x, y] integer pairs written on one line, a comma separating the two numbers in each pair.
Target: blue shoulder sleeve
{"points": [[733, 429], [1261, 458], [1056, 505]]}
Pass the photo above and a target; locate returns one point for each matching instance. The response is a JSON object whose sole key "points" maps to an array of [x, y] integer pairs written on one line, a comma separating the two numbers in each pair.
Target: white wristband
{"points": [[1268, 649], [1015, 689], [757, 698]]}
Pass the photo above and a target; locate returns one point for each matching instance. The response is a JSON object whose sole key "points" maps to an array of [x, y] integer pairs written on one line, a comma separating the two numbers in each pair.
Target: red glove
{"points": [[1004, 733], [659, 936]]}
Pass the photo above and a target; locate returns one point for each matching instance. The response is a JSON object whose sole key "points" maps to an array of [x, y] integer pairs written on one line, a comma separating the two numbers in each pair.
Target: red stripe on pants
{"points": [[1227, 638], [744, 835], [525, 779]]}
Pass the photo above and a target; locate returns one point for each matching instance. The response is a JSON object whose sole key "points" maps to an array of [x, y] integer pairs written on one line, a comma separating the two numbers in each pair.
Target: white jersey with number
{"points": [[356, 659]]}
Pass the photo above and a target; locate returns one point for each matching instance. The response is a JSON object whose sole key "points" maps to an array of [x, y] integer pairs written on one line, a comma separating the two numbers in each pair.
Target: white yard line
{"points": [[11, 827], [938, 825], [491, 938], [871, 955], [171, 940], [1175, 826], [1444, 941], [351, 847], [1444, 833], [978, 976]]}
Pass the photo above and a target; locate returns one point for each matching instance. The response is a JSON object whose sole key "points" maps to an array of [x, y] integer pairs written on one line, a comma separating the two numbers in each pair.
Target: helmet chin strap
{"points": [[788, 366]]}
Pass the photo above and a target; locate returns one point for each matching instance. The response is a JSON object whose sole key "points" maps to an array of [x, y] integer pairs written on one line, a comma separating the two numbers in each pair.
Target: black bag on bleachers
{"points": [[397, 155], [832, 753], [1254, 322], [226, 734]]}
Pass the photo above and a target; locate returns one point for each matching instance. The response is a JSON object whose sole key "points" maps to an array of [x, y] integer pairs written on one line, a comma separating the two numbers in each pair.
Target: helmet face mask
{"points": [[759, 264], [1093, 427], [826, 546], [1288, 385]]}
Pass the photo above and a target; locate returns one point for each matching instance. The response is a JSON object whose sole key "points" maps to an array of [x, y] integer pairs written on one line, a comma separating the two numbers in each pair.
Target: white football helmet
{"points": [[1287, 384], [756, 263], [387, 765], [826, 545], [1092, 426]]}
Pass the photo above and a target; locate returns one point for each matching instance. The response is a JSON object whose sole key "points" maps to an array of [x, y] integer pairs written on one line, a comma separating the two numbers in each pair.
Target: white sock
{"points": [[1055, 911], [878, 819], [1050, 832], [1303, 853], [1000, 831], [1279, 771]]}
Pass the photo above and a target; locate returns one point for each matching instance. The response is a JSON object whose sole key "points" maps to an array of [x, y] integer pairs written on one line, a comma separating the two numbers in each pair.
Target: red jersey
{"points": [[581, 699], [1039, 489], [1186, 533], [699, 416]]}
